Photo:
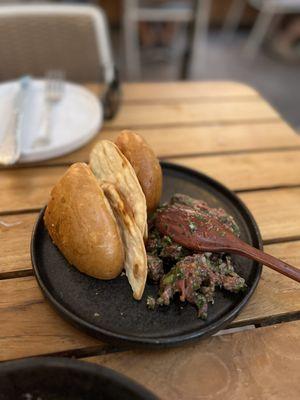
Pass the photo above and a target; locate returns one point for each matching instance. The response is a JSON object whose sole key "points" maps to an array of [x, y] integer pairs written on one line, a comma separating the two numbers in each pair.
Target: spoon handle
{"points": [[288, 270]]}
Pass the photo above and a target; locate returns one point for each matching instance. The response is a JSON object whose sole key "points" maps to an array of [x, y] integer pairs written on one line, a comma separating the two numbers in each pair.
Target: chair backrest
{"points": [[41, 37], [277, 5]]}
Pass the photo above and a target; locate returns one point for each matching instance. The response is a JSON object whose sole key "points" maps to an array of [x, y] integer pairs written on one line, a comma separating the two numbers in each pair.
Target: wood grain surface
{"points": [[251, 170], [283, 225], [256, 364], [186, 90], [15, 236], [166, 113], [277, 212], [30, 327], [179, 141], [225, 130], [29, 188], [174, 91]]}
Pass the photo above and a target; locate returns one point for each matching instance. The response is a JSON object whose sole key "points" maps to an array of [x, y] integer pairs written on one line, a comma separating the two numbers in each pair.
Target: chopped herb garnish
{"points": [[236, 230], [179, 274], [151, 302], [201, 218], [223, 219], [192, 227], [189, 202], [167, 239]]}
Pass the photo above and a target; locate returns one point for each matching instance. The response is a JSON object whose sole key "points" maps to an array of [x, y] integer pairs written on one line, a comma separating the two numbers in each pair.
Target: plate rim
{"points": [[39, 155], [79, 366], [163, 341]]}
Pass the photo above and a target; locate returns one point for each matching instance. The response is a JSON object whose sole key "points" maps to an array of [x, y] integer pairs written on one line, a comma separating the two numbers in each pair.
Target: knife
{"points": [[10, 148]]}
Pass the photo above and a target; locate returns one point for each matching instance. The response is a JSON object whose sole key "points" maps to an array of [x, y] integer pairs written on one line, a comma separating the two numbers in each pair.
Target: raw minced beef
{"points": [[194, 277]]}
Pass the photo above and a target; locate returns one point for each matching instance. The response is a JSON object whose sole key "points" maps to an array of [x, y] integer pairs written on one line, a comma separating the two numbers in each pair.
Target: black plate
{"points": [[106, 309], [65, 379]]}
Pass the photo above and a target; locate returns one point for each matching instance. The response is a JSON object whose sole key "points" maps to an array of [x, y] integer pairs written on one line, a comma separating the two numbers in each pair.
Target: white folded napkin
{"points": [[75, 119]]}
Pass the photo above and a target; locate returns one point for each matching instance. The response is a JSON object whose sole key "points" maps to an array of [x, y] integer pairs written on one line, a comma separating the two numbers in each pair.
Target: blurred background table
{"points": [[229, 132]]}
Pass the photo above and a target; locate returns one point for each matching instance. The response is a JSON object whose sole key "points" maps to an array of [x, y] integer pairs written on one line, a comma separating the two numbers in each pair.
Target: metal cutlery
{"points": [[10, 148], [54, 90]]}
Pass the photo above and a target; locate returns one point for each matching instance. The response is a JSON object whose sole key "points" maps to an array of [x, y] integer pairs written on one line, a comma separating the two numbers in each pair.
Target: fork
{"points": [[54, 90]]}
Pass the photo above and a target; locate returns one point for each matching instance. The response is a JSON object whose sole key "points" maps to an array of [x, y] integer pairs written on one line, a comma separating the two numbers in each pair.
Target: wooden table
{"points": [[225, 130]]}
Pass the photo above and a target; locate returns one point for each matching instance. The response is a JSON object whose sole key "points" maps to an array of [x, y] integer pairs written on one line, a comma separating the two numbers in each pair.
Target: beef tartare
{"points": [[193, 276]]}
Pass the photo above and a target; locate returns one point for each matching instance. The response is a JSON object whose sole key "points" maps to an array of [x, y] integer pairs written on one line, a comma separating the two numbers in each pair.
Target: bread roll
{"points": [[145, 165], [82, 225], [135, 263], [110, 165]]}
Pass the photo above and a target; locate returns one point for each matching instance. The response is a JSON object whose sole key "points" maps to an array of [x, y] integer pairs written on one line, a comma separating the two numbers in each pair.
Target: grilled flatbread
{"points": [[110, 165], [135, 262]]}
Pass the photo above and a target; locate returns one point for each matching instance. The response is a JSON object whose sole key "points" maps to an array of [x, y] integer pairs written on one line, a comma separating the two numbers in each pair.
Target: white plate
{"points": [[75, 119]]}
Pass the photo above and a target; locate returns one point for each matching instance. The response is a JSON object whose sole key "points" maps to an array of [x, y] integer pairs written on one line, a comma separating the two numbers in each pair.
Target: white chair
{"points": [[268, 9], [35, 38], [198, 16]]}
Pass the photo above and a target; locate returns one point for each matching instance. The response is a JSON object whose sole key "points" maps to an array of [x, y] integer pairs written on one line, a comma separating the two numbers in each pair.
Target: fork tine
{"points": [[54, 83], [54, 90]]}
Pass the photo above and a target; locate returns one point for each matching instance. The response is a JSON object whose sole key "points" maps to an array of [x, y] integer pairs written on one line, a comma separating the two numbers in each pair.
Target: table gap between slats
{"points": [[27, 320], [181, 141], [256, 364], [250, 174], [169, 90], [191, 100], [15, 238], [187, 114], [172, 158], [204, 124], [104, 349], [30, 326], [25, 302]]}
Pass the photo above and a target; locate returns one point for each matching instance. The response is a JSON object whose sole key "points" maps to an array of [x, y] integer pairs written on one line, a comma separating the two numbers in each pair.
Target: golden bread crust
{"points": [[82, 225], [145, 165]]}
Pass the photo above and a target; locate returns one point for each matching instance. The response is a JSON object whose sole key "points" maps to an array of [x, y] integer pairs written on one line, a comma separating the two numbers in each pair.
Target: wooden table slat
{"points": [[249, 171], [228, 131], [180, 113], [15, 239], [152, 91], [277, 212], [30, 327], [15, 236], [256, 364], [29, 188], [282, 224], [172, 142]]}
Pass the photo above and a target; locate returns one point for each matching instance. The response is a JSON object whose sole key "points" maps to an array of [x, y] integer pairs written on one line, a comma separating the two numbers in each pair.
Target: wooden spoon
{"points": [[199, 231]]}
